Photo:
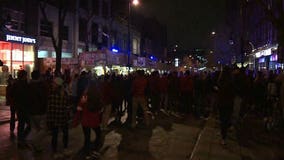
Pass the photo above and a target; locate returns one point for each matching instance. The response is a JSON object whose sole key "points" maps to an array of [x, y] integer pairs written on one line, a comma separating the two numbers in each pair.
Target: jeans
{"points": [[23, 125], [87, 137], [139, 101], [55, 131], [225, 114], [38, 130]]}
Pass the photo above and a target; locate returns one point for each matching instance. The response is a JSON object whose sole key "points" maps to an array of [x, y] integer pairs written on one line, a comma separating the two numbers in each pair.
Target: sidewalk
{"points": [[209, 147]]}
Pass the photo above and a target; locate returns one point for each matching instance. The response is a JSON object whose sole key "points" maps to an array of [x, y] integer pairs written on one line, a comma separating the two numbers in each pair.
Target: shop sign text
{"points": [[20, 39]]}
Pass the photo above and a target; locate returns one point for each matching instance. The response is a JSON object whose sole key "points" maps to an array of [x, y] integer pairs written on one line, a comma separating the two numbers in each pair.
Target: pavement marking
{"points": [[197, 142]]}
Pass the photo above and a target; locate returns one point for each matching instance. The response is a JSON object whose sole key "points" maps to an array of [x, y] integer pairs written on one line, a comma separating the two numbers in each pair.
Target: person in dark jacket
{"points": [[21, 102], [38, 104], [82, 84], [226, 97]]}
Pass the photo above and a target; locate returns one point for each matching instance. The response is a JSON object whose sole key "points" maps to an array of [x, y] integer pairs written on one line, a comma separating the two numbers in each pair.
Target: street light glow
{"points": [[213, 33], [135, 2]]}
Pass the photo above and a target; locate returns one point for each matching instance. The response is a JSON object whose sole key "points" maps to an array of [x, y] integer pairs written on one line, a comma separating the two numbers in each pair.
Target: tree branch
{"points": [[42, 6]]}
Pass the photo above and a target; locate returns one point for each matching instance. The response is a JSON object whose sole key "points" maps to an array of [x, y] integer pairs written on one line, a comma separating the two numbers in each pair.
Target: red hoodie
{"points": [[139, 85]]}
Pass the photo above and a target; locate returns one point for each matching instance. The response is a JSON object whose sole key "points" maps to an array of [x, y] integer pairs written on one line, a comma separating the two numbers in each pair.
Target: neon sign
{"points": [[20, 39]]}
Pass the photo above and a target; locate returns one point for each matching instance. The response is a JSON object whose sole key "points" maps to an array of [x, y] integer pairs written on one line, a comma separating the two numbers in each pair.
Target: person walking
{"points": [[90, 106], [154, 92], [138, 89], [225, 100], [21, 102], [163, 87], [58, 114], [38, 95], [186, 88]]}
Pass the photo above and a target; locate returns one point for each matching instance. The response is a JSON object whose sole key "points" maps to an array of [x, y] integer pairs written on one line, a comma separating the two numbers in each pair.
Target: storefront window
{"points": [[5, 56], [29, 58], [15, 56]]}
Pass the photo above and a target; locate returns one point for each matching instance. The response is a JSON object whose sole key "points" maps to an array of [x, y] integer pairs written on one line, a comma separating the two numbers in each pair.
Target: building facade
{"points": [[255, 34], [96, 27]]}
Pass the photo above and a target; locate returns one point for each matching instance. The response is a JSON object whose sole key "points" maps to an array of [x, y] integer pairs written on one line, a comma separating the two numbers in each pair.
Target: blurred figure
{"points": [[173, 92], [90, 104], [225, 100], [259, 91], [58, 112], [21, 102], [163, 87], [10, 102], [138, 89], [186, 88], [154, 92], [82, 84], [74, 96], [38, 104]]}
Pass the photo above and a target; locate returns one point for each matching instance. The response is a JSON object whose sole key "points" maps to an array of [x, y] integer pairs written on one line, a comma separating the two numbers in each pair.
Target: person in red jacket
{"points": [[90, 120], [186, 92], [138, 90]]}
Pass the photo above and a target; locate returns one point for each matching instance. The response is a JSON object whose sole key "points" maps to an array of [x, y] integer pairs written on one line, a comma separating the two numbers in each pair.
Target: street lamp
{"points": [[130, 3]]}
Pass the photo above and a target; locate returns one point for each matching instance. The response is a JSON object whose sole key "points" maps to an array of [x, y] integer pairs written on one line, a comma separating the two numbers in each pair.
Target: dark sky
{"points": [[189, 22]]}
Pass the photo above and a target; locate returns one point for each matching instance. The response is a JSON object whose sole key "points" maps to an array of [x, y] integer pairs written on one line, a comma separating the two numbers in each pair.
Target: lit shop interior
{"points": [[15, 56]]}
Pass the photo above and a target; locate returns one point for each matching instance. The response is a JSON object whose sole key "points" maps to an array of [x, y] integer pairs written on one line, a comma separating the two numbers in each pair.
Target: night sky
{"points": [[189, 22]]}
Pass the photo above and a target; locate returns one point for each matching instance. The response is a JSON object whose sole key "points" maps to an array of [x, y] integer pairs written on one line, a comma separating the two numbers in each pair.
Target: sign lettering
{"points": [[20, 39]]}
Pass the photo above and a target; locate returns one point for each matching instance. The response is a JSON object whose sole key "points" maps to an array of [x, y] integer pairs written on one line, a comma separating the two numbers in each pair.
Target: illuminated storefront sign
{"points": [[20, 39], [265, 52]]}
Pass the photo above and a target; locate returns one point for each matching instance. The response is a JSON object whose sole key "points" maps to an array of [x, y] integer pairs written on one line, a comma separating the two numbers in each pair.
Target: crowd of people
{"points": [[56, 102]]}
